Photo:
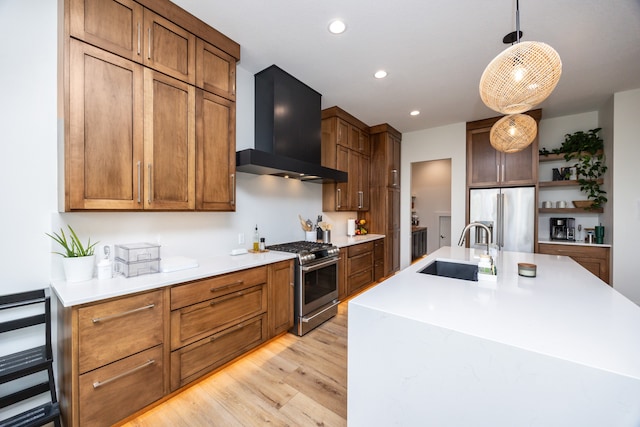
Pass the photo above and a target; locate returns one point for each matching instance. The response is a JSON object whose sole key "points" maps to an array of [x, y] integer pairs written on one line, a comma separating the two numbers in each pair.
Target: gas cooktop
{"points": [[307, 251]]}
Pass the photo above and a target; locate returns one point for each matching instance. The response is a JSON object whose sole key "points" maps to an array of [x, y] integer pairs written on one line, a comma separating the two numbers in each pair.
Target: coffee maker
{"points": [[562, 228]]}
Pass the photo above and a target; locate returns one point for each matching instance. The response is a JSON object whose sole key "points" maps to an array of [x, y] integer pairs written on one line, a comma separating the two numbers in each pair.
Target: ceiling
{"points": [[433, 50]]}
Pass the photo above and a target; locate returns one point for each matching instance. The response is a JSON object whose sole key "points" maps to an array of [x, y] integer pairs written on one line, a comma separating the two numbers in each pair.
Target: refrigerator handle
{"points": [[500, 225], [502, 221]]}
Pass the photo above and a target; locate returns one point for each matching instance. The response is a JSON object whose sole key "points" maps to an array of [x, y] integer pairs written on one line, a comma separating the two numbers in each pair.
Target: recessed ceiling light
{"points": [[381, 74], [415, 113], [337, 27]]}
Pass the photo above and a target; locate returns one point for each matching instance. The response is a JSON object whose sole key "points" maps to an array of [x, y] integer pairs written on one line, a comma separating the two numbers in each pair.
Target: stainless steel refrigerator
{"points": [[509, 212]]}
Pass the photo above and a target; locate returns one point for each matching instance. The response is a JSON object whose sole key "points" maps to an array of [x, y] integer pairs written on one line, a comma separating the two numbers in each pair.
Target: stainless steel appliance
{"points": [[508, 212], [562, 229], [316, 283]]}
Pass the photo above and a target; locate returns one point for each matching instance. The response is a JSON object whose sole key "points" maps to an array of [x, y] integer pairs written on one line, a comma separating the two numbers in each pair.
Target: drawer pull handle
{"points": [[226, 332], [129, 372], [222, 288], [227, 297], [115, 316]]}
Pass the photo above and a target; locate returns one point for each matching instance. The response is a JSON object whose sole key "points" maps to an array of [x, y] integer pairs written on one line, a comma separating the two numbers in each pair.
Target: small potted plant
{"points": [[586, 148], [78, 259]]}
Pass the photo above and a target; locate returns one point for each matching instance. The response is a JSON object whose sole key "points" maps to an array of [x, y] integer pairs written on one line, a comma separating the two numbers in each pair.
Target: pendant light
{"points": [[513, 133], [520, 77]]}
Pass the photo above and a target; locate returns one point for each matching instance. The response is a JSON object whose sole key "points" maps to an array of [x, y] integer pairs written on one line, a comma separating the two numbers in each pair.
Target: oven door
{"points": [[318, 285]]}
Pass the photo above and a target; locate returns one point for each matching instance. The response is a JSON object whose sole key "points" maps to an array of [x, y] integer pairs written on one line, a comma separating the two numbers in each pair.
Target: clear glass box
{"points": [[132, 269], [136, 252]]}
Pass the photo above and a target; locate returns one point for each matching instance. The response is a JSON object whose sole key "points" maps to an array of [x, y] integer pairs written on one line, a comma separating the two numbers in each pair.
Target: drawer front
{"points": [[359, 263], [574, 251], [192, 323], [360, 248], [116, 391], [203, 290], [201, 357], [116, 329], [359, 280]]}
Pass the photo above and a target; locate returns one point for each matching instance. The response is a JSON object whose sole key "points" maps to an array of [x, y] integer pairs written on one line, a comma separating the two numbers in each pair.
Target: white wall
{"points": [[446, 142], [431, 186], [626, 203]]}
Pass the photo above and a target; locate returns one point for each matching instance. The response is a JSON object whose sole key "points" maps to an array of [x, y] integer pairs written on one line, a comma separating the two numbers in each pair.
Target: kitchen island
{"points": [[558, 349]]}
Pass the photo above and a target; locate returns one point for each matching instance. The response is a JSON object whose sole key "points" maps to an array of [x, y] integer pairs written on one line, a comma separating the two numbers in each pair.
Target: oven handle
{"points": [[319, 265], [308, 319]]}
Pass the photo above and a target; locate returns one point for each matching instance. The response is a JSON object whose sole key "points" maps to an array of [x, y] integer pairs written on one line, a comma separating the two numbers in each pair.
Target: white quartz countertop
{"points": [[565, 312], [71, 294], [344, 241]]}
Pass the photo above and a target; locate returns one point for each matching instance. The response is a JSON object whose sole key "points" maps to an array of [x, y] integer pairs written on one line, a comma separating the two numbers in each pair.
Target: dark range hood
{"points": [[287, 131]]}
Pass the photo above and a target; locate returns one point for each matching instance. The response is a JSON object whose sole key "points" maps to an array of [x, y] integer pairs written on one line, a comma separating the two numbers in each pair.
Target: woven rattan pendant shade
{"points": [[513, 133], [520, 77]]}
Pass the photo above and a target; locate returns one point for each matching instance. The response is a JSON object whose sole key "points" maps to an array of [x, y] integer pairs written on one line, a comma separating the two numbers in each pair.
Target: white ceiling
{"points": [[434, 51]]}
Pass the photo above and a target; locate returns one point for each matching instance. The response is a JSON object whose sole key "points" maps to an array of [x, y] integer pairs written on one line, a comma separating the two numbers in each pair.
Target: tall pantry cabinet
{"points": [[149, 94], [385, 191]]}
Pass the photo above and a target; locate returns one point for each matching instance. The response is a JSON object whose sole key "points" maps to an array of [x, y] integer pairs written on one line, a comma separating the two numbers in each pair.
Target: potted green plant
{"points": [[78, 259], [586, 148]]}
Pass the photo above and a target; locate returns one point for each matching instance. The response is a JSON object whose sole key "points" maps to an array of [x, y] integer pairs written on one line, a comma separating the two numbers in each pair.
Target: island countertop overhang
{"points": [[564, 312]]}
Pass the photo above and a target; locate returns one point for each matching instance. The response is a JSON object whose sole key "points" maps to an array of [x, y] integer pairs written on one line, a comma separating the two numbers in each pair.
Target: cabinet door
{"points": [[169, 142], [281, 297], [521, 168], [215, 152], [215, 70], [353, 183], [342, 133], [363, 183], [483, 161], [103, 154], [393, 154], [169, 48], [343, 202], [113, 25]]}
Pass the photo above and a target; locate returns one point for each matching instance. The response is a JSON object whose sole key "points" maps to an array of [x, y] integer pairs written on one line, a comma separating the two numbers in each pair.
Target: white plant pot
{"points": [[79, 269]]}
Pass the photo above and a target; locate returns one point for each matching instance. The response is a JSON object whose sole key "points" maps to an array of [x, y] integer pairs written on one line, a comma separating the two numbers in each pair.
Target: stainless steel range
{"points": [[316, 283]]}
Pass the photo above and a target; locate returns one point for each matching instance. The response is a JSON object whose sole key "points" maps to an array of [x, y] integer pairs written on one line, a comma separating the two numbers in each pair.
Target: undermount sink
{"points": [[454, 270]]}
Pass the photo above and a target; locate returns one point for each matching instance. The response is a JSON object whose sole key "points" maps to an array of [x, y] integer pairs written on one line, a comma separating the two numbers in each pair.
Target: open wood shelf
{"points": [[570, 210], [556, 157], [564, 183]]}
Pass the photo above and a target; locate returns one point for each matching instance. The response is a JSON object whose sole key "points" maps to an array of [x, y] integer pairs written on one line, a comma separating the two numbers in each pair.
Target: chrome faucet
{"points": [[476, 224]]}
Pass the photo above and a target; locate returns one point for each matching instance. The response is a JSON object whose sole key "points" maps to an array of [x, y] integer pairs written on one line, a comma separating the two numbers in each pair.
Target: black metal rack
{"points": [[30, 361]]}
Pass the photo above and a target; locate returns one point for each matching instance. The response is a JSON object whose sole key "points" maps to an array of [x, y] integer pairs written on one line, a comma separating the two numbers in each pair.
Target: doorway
{"points": [[431, 201]]}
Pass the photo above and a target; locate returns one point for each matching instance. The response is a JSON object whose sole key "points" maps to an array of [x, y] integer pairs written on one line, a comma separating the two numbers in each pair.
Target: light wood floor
{"points": [[291, 381]]}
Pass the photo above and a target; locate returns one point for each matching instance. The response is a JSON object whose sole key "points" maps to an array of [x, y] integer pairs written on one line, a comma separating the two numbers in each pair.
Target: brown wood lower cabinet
{"points": [[120, 355], [593, 258], [112, 360], [113, 392], [197, 359], [359, 266]]}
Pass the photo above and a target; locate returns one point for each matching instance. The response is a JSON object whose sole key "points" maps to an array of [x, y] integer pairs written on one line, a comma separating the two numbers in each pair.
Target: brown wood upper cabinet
{"points": [[135, 123], [487, 167], [346, 147], [127, 29], [215, 152], [215, 70], [169, 48], [131, 143]]}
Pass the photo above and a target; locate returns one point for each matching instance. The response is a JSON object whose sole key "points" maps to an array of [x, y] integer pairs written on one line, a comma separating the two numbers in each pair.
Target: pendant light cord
{"points": [[517, 21]]}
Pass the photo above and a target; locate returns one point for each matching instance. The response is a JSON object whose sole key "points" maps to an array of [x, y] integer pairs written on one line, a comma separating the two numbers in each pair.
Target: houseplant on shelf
{"points": [[586, 148], [78, 259]]}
